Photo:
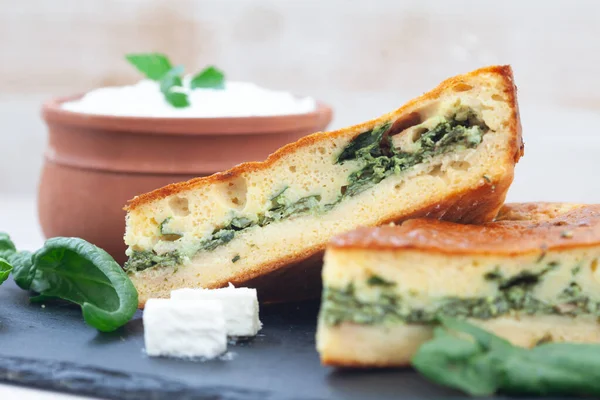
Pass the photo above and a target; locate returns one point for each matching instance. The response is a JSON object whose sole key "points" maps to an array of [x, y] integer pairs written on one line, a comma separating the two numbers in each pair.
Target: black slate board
{"points": [[53, 348]]}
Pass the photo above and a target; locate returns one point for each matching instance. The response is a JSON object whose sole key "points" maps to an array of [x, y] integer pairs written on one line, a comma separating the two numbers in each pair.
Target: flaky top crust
{"points": [[504, 71], [519, 229]]}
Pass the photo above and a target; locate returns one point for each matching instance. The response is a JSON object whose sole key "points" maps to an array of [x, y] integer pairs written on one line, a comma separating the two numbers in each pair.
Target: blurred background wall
{"points": [[363, 57]]}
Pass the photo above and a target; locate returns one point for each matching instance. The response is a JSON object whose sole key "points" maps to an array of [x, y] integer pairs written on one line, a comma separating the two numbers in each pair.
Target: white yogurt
{"points": [[237, 99]]}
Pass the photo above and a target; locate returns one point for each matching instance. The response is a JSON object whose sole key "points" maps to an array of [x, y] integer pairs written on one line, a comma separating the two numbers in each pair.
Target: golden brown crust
{"points": [[516, 146], [540, 211], [536, 227], [353, 363]]}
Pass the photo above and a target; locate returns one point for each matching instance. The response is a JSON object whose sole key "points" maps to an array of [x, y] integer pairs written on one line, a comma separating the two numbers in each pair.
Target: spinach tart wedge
{"points": [[447, 154], [531, 276]]}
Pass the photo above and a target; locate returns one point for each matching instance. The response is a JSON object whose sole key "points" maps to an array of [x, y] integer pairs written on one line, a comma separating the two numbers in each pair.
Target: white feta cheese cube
{"points": [[240, 306], [184, 328]]}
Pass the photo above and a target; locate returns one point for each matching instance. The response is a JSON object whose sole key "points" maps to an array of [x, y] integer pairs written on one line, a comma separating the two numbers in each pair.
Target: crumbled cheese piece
{"points": [[240, 306], [184, 328]]}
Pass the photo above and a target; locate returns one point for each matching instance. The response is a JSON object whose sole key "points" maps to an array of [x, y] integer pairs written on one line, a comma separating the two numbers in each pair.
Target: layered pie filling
{"points": [[542, 290], [378, 154]]}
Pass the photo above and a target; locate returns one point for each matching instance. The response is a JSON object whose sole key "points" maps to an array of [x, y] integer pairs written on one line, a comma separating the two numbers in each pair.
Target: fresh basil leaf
{"points": [[40, 298], [485, 339], [7, 247], [153, 65], [5, 269], [554, 368], [578, 357], [466, 357], [20, 261], [208, 78], [461, 364], [24, 270], [75, 270]]}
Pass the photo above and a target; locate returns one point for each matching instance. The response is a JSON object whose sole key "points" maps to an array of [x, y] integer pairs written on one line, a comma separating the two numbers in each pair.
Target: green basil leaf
{"points": [[484, 338], [24, 270], [7, 247], [20, 262], [468, 358], [577, 357], [554, 368], [40, 298], [153, 65], [208, 78], [458, 363], [75, 270], [5, 269]]}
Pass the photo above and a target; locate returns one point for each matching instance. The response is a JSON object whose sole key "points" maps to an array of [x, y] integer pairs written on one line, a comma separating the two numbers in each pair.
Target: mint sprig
{"points": [[177, 99], [153, 65], [171, 85], [157, 67], [171, 79], [209, 78]]}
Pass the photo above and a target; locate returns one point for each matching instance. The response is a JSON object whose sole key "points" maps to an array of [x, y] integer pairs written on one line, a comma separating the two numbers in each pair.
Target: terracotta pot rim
{"points": [[95, 169], [52, 113]]}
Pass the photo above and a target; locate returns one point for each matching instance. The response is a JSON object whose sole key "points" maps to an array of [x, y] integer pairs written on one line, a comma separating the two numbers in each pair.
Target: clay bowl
{"points": [[94, 164]]}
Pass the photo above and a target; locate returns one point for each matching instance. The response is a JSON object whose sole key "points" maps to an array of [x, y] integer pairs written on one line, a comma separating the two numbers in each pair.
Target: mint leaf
{"points": [[177, 99], [153, 65], [157, 67], [209, 78], [172, 80]]}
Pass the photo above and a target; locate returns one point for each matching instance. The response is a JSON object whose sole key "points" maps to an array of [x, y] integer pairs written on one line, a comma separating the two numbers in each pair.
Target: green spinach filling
{"points": [[515, 294], [379, 159], [279, 209], [141, 260]]}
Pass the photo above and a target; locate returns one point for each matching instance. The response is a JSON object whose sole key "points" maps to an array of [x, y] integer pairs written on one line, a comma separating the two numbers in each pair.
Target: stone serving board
{"points": [[52, 348]]}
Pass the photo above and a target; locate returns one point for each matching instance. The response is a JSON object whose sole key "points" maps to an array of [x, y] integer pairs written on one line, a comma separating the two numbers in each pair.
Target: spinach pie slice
{"points": [[531, 276], [448, 154]]}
